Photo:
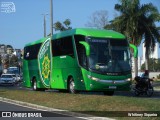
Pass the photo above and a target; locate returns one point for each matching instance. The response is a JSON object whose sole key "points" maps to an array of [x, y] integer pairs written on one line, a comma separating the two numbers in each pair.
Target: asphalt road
{"points": [[11, 111]]}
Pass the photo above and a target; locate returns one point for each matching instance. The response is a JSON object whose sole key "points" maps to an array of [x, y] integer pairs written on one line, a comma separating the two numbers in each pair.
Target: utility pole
{"points": [[51, 15], [44, 24]]}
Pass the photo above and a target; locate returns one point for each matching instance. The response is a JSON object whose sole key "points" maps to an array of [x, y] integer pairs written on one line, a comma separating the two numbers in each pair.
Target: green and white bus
{"points": [[79, 60]]}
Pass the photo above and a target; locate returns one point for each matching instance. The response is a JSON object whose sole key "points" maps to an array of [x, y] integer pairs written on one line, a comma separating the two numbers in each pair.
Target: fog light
{"points": [[93, 78]]}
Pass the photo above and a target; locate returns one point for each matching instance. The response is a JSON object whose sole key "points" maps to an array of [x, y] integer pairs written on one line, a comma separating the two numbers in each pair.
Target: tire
{"points": [[34, 87], [149, 92], [71, 86], [136, 93], [109, 93], [13, 84]]}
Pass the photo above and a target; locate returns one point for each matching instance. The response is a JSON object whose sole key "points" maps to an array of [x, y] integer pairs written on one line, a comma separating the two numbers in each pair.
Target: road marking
{"points": [[57, 111]]}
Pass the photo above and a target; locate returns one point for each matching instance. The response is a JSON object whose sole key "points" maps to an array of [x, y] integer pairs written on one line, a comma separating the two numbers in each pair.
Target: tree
{"points": [[137, 21], [151, 32], [9, 46], [13, 61], [5, 61], [154, 65], [10, 49], [98, 19], [0, 59], [62, 26]]}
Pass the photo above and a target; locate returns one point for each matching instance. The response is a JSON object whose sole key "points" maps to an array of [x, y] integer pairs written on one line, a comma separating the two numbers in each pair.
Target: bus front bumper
{"points": [[111, 85]]}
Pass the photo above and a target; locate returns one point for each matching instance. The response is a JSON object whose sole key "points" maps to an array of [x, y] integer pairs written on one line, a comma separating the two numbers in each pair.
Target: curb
{"points": [[58, 111]]}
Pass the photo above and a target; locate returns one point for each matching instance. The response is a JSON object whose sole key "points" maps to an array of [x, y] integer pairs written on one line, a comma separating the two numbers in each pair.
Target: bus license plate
{"points": [[112, 87]]}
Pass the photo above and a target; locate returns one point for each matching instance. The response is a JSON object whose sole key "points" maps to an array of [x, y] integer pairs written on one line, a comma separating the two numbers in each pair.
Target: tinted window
{"points": [[82, 58], [31, 52], [62, 46], [116, 42]]}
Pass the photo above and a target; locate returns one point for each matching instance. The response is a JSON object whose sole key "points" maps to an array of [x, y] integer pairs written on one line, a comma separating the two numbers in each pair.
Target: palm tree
{"points": [[151, 36], [62, 26], [58, 26], [137, 21]]}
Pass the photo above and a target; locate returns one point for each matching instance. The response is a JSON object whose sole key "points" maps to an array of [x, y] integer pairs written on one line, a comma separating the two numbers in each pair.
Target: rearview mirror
{"points": [[135, 50], [87, 47]]}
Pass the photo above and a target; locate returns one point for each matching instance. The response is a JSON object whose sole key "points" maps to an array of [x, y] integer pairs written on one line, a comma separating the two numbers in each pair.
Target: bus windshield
{"points": [[109, 55]]}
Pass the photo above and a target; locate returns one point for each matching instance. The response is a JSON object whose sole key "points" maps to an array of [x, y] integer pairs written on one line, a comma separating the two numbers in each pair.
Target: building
{"points": [[17, 52], [3, 49], [6, 53]]}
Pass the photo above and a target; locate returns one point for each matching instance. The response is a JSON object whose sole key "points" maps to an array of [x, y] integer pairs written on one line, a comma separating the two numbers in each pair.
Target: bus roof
{"points": [[83, 31]]}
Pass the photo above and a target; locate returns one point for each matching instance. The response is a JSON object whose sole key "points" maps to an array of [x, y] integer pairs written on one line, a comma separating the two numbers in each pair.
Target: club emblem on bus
{"points": [[46, 67], [44, 62]]}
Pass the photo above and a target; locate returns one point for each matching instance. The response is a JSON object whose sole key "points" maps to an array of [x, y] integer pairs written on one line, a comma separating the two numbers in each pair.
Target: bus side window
{"points": [[62, 46], [26, 53], [67, 46], [55, 47], [31, 52]]}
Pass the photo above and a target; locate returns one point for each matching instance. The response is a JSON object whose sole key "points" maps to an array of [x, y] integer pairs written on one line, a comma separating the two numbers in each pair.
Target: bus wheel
{"points": [[109, 93], [71, 86], [34, 87]]}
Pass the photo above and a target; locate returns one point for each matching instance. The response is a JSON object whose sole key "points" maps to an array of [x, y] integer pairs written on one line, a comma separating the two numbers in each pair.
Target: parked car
{"points": [[8, 79], [16, 72], [13, 70], [19, 78], [16, 77]]}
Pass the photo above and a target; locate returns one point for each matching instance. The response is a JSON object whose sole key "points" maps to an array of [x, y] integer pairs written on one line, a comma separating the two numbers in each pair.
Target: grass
{"points": [[157, 87], [83, 102]]}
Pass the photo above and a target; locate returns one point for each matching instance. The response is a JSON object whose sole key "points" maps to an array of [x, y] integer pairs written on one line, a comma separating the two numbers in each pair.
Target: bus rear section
{"points": [[31, 74]]}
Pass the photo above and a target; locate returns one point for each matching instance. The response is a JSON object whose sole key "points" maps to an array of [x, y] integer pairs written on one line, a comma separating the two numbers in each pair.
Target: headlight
{"points": [[93, 78], [129, 79]]}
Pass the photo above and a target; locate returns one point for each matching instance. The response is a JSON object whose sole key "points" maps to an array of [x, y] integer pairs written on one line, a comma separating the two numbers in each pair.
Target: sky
{"points": [[25, 24]]}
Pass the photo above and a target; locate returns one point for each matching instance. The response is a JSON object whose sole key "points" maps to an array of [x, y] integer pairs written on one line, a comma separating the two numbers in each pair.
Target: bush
{"points": [[158, 76]]}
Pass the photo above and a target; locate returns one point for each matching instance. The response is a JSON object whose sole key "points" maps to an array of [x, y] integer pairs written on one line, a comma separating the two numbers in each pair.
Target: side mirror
{"points": [[87, 47], [135, 50]]}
